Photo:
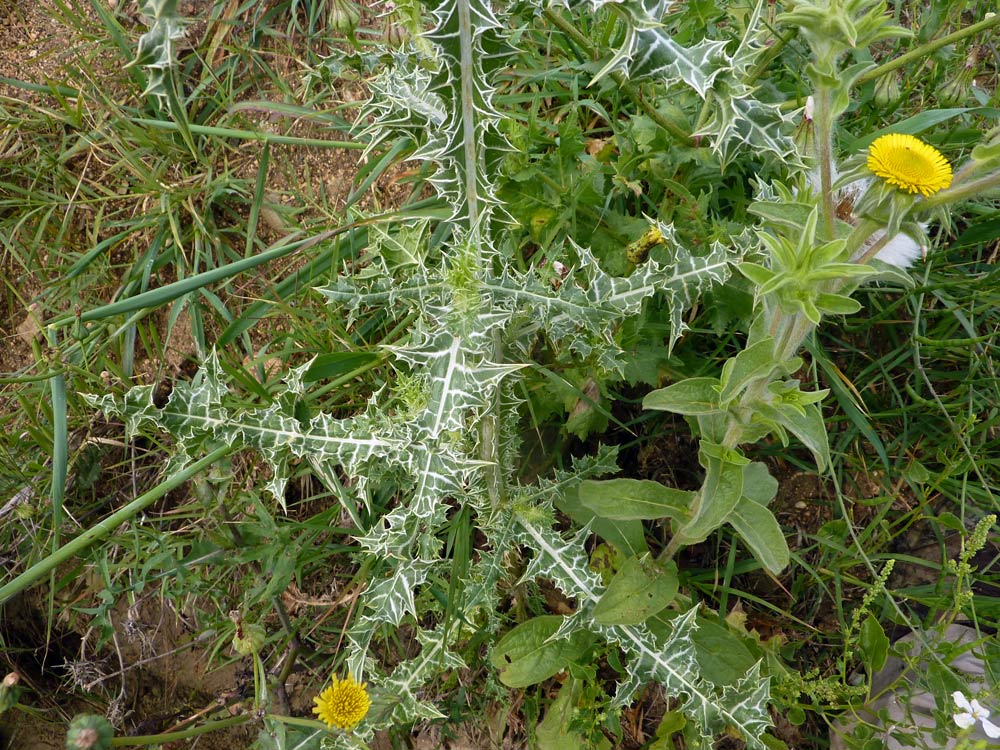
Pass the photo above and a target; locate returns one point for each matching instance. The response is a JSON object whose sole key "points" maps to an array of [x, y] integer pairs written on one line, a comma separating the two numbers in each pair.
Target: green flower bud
{"points": [[344, 16], [9, 691], [249, 639], [956, 90], [89, 732], [396, 30], [887, 89], [805, 132]]}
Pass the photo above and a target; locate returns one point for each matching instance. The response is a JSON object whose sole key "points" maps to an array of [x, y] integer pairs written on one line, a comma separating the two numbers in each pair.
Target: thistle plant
{"points": [[442, 435], [446, 431]]}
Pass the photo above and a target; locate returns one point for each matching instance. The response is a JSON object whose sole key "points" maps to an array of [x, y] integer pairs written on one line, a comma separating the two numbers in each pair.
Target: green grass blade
{"points": [[105, 527]]}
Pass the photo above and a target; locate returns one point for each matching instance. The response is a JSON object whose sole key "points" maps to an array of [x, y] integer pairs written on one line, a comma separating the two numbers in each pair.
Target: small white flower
{"points": [[971, 712]]}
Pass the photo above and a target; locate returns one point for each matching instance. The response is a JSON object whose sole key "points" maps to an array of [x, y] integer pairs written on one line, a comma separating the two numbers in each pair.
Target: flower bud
{"points": [[9, 691], [249, 639], [956, 91], [887, 89], [89, 732], [805, 132], [344, 16], [396, 30], [395, 33]]}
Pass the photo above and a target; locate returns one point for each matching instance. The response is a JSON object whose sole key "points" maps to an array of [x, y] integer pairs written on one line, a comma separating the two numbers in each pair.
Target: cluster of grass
{"points": [[138, 234]]}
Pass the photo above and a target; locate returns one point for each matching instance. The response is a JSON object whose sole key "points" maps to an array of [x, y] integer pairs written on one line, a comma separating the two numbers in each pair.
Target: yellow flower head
{"points": [[909, 164], [343, 704]]}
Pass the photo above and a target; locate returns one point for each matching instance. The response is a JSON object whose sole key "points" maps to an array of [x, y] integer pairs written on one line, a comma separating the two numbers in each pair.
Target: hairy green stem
{"points": [[184, 734], [874, 250], [859, 235], [109, 524], [963, 191], [925, 49], [823, 123]]}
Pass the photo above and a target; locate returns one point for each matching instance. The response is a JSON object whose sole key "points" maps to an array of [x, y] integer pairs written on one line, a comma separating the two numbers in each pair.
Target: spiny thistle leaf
{"points": [[195, 415], [671, 663], [446, 106], [156, 50], [649, 51], [739, 120], [450, 446], [582, 315]]}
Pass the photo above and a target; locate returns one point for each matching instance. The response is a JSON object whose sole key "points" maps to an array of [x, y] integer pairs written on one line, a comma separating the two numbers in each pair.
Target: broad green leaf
{"points": [[805, 421], [758, 527], [638, 591], [526, 655], [791, 215], [986, 152], [758, 484], [757, 273], [721, 491], [837, 304], [722, 656], [554, 732], [635, 499], [691, 396], [671, 723], [756, 361], [335, 364], [874, 644], [810, 429], [626, 534]]}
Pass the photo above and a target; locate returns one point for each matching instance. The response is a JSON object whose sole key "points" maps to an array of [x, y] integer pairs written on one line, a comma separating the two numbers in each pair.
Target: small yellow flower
{"points": [[909, 164], [343, 704]]}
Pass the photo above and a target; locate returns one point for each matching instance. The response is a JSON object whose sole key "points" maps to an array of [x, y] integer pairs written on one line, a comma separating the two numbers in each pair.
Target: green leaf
{"points": [[919, 123], [756, 361], [773, 743], [758, 484], [722, 453], [635, 499], [691, 396], [626, 534], [791, 215], [874, 644], [554, 732], [721, 492], [722, 656], [526, 656], [638, 591], [986, 152], [837, 304], [807, 427], [335, 364], [755, 523], [757, 273]]}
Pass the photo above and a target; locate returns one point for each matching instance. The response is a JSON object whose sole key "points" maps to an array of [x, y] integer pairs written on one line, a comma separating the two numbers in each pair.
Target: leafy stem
{"points": [[926, 49], [964, 190]]}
